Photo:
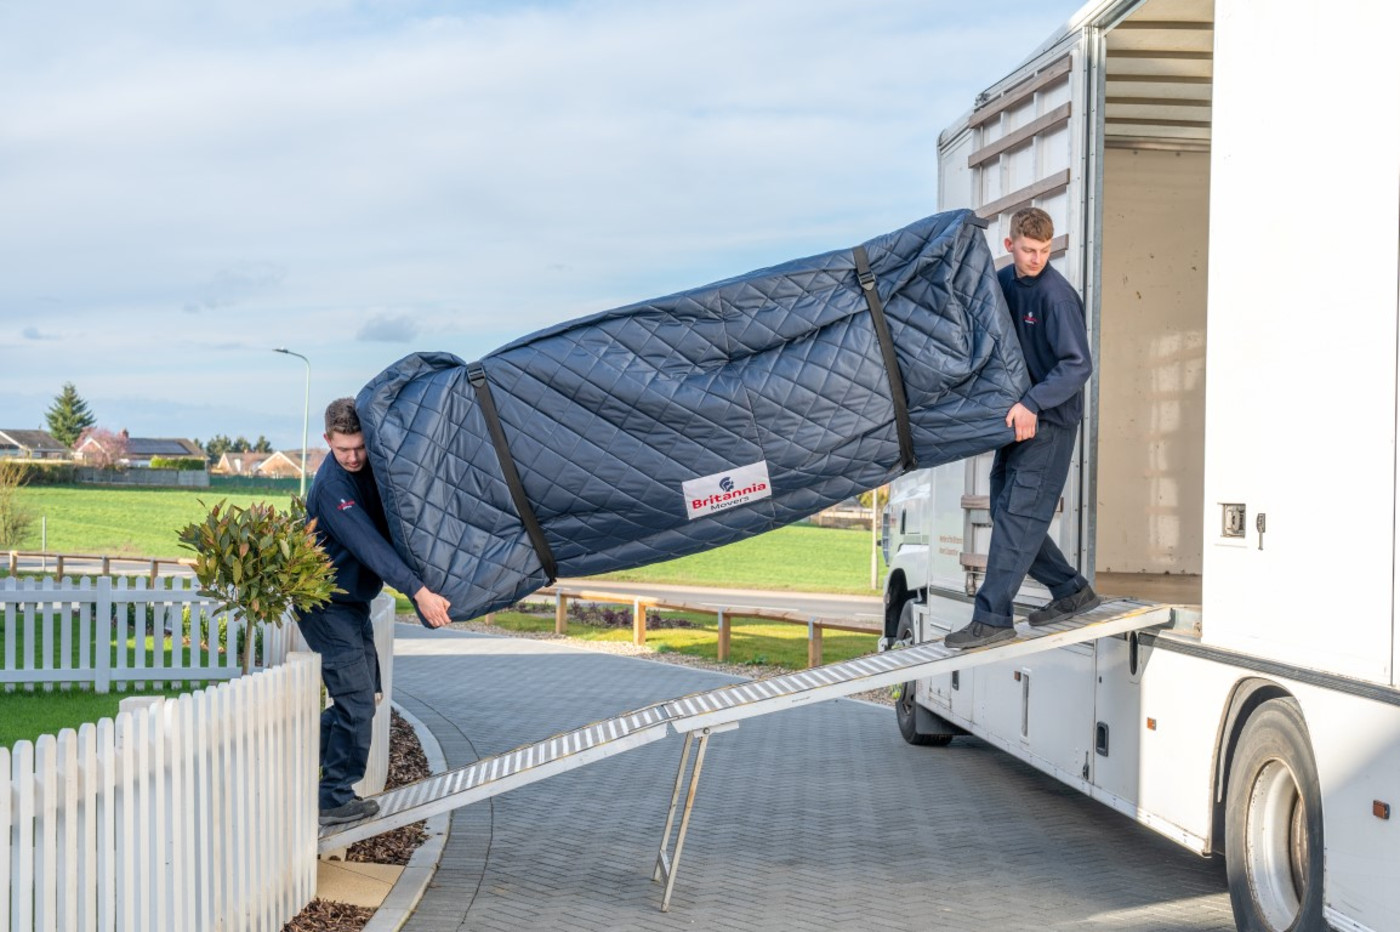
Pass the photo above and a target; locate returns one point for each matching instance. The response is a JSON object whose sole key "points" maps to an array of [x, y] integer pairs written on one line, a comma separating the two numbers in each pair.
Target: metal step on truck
{"points": [[1224, 179]]}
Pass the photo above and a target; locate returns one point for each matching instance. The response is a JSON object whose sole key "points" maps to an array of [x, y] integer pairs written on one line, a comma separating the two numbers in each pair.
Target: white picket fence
{"points": [[181, 814], [56, 633], [377, 770], [191, 813]]}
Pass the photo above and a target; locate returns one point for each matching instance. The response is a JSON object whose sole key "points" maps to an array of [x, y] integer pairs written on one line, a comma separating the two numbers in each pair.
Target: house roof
{"points": [[32, 439], [293, 458], [248, 458], [162, 446]]}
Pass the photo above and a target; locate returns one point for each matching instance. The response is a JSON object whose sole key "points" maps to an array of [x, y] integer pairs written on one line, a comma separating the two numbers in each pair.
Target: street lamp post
{"points": [[305, 416]]}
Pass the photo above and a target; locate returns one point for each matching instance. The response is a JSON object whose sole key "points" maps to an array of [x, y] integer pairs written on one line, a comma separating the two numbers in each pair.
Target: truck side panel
{"points": [[1301, 358], [1357, 746]]}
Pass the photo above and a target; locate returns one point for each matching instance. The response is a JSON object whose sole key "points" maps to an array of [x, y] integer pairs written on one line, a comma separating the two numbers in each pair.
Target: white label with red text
{"points": [[738, 486]]}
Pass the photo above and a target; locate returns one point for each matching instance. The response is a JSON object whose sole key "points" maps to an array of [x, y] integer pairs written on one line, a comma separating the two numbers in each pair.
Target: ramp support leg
{"points": [[666, 864]]}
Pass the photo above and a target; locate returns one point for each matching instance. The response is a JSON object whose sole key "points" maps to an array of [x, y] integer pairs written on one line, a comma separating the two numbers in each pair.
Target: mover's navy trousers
{"points": [[342, 634], [1027, 479]]}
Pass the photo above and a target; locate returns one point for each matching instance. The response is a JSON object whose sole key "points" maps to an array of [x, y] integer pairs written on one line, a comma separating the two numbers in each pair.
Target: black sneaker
{"points": [[1068, 607], [352, 811], [978, 634]]}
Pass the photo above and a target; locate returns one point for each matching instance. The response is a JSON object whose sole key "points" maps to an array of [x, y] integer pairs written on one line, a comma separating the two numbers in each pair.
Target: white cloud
{"points": [[236, 284], [388, 328]]}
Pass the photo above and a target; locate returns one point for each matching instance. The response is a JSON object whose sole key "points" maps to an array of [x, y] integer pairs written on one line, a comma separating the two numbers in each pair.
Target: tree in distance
{"points": [[220, 444], [14, 519], [69, 416], [107, 450]]}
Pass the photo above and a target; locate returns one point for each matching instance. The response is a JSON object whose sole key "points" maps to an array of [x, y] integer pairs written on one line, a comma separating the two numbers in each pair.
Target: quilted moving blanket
{"points": [[684, 423]]}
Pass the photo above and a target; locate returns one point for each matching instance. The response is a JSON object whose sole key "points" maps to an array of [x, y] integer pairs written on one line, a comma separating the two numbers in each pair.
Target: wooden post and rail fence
{"points": [[151, 565], [724, 616]]}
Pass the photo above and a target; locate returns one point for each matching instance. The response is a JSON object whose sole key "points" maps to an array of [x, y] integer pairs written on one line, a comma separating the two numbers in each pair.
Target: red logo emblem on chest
{"points": [[345, 503]]}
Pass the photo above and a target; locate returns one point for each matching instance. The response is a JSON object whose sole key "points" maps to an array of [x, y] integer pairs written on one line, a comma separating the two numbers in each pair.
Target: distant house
{"points": [[31, 445], [287, 464], [140, 450], [240, 464]]}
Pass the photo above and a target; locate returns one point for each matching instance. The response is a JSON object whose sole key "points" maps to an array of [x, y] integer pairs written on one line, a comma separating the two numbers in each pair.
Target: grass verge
{"points": [[751, 641]]}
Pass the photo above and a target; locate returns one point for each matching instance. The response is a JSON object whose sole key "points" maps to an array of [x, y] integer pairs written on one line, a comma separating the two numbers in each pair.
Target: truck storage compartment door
{"points": [[1041, 708]]}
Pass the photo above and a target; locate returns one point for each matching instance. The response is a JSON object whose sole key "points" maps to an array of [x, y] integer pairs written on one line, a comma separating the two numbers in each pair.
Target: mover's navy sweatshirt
{"points": [[350, 524], [1049, 319]]}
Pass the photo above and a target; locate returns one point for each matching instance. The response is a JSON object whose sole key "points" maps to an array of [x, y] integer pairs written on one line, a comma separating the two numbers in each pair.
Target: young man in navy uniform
{"points": [[1029, 474], [351, 526]]}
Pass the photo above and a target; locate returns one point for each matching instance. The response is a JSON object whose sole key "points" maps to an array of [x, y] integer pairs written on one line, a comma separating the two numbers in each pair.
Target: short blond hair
{"points": [[1032, 223]]}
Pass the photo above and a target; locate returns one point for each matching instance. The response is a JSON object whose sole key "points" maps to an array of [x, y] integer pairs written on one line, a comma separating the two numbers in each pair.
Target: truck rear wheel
{"points": [[1273, 824], [906, 714]]}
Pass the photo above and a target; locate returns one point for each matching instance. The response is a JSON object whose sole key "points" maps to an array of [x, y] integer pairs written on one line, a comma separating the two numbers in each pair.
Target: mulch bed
{"points": [[325, 916], [407, 764]]}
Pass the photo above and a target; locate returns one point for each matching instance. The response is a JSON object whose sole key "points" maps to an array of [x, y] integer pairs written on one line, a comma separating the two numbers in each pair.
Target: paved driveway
{"points": [[817, 818]]}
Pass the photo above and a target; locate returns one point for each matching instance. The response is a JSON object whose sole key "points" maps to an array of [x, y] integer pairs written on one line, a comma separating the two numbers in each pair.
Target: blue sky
{"points": [[186, 186]]}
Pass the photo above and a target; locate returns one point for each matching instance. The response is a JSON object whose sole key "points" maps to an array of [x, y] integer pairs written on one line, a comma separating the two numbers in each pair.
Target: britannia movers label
{"points": [[737, 486]]}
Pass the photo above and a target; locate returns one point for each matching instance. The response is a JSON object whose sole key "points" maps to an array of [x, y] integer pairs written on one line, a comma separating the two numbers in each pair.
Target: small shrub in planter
{"points": [[259, 562]]}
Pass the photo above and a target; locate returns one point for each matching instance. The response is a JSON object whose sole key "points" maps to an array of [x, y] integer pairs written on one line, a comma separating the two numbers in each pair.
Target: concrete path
{"points": [[817, 818]]}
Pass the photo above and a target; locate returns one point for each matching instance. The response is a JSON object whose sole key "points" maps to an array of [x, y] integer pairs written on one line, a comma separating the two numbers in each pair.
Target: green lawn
{"points": [[144, 523], [25, 715], [801, 558], [135, 522]]}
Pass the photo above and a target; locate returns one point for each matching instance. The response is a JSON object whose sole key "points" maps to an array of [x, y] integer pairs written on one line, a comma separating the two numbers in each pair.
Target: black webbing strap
{"points": [[866, 278], [477, 376]]}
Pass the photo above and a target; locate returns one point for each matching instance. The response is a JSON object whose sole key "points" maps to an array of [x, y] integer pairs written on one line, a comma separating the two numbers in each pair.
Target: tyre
{"points": [[1273, 824], [906, 713]]}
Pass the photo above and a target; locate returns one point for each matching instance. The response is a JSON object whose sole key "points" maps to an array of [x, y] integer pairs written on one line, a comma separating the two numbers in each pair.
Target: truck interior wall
{"points": [[1151, 363]]}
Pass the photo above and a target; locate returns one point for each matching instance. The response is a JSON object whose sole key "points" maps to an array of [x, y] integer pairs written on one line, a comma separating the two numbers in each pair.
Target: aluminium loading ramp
{"points": [[705, 713]]}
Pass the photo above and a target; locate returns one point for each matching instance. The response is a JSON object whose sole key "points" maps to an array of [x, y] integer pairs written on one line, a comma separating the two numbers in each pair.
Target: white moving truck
{"points": [[1225, 182]]}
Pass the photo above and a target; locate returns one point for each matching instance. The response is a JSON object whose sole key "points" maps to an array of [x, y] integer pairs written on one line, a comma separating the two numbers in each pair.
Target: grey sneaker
{"points": [[978, 634], [352, 811], [1069, 606]]}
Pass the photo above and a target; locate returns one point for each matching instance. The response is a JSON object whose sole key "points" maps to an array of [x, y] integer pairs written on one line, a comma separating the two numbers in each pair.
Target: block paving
{"points": [[818, 818]]}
